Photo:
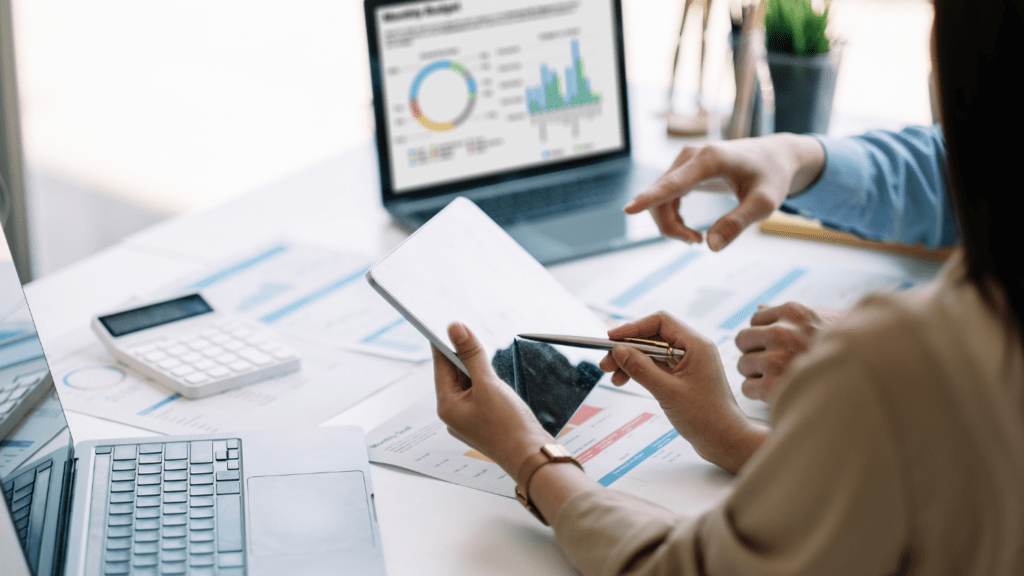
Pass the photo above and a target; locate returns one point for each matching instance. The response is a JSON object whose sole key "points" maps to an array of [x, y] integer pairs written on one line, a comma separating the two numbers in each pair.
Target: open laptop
{"points": [[257, 503], [519, 105]]}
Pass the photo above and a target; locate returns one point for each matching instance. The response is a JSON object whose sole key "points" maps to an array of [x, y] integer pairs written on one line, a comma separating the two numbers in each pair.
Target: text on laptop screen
{"points": [[474, 88]]}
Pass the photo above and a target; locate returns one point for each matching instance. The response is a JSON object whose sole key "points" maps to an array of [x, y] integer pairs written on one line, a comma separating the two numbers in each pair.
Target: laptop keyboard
{"points": [[508, 209], [19, 494], [173, 508]]}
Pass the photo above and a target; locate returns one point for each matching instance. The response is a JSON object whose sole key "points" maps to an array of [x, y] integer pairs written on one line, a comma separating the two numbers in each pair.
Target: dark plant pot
{"points": [[804, 87]]}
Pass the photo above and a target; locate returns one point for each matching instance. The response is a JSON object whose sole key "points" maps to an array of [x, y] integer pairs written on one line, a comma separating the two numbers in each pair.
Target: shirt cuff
{"points": [[840, 185], [603, 530]]}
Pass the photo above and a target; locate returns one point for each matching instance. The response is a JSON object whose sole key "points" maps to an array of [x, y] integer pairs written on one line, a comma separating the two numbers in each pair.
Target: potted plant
{"points": [[803, 63]]}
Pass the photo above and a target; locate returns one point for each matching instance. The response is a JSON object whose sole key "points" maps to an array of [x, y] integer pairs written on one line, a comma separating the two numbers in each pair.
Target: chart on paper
{"points": [[90, 381], [313, 294], [718, 293], [619, 438]]}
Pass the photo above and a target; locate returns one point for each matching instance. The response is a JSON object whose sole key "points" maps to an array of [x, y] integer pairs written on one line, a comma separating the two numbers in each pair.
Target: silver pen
{"points": [[653, 348]]}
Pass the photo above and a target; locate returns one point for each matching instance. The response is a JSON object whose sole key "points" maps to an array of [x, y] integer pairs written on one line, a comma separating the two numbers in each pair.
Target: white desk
{"points": [[428, 526]]}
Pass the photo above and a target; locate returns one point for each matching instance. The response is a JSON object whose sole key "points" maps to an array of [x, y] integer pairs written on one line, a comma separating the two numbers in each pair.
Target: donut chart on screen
{"points": [[414, 105]]}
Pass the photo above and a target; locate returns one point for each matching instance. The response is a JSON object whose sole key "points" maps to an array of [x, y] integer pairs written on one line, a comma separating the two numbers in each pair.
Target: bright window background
{"points": [[135, 111]]}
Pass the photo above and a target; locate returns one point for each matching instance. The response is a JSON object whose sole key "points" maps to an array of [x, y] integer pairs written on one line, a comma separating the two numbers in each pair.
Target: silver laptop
{"points": [[282, 502], [519, 105]]}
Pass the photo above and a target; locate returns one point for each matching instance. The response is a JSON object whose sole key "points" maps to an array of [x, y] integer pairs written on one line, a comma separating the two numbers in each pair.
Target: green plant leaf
{"points": [[792, 26]]}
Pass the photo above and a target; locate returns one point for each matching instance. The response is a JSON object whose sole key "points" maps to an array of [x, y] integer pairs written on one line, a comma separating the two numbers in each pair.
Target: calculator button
{"points": [[197, 378], [191, 358], [155, 356], [204, 364], [220, 339], [212, 351], [169, 363], [234, 346], [167, 344], [183, 370], [241, 366], [256, 357], [226, 358], [199, 344], [178, 350], [218, 372], [242, 333], [256, 339]]}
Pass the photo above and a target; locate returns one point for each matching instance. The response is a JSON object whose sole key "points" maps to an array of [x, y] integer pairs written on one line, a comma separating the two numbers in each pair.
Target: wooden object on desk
{"points": [[799, 227]]}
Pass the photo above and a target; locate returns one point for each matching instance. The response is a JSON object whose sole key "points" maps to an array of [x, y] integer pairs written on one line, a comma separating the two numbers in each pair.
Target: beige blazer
{"points": [[897, 446]]}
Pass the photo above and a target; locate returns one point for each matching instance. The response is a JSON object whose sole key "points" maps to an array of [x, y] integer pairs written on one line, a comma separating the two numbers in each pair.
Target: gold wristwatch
{"points": [[549, 454]]}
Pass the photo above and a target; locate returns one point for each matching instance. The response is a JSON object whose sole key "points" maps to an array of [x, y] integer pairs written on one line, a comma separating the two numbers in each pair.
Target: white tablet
{"points": [[461, 266]]}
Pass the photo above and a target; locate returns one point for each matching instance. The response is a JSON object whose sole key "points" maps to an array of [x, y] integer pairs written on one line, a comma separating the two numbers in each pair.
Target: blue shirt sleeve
{"points": [[884, 186]]}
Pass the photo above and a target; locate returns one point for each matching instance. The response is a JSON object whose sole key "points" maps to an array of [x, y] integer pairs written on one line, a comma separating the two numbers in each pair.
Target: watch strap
{"points": [[548, 454]]}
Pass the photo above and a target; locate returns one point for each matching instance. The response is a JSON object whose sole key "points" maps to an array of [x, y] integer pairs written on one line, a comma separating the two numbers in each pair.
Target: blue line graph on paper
{"points": [[316, 295]]}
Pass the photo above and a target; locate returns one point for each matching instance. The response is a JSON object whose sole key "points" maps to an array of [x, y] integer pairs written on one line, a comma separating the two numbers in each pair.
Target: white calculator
{"points": [[188, 347]]}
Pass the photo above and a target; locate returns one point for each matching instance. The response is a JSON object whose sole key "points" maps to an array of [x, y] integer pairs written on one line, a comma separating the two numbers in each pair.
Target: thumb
{"points": [[754, 207], [642, 368], [469, 350]]}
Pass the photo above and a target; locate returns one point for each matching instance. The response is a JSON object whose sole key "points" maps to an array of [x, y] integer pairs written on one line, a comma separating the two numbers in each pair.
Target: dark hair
{"points": [[979, 52]]}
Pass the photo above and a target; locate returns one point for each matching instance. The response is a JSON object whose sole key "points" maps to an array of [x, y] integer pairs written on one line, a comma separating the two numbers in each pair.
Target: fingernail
{"points": [[457, 332], [715, 241]]}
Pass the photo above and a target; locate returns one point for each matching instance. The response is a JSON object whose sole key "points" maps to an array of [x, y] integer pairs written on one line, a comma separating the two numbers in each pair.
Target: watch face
{"points": [[554, 451]]}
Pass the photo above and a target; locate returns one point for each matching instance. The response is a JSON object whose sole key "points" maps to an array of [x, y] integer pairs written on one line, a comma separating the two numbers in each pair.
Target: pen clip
{"points": [[657, 343]]}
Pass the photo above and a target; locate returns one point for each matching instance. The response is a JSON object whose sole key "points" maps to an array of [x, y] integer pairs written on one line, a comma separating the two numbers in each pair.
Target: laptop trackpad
{"points": [[309, 513]]}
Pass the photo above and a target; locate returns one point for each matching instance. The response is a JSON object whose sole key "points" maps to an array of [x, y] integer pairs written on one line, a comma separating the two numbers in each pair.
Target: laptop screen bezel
{"points": [[380, 115]]}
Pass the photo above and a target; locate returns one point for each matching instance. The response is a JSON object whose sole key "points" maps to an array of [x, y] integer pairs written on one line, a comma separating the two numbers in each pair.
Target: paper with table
{"points": [[718, 293], [622, 440], [352, 344]]}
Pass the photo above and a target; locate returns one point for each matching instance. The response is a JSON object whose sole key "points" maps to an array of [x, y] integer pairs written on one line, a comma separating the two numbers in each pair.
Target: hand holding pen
{"points": [[693, 391]]}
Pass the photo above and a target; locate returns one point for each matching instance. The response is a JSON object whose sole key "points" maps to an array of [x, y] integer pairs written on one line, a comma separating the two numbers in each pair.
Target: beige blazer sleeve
{"points": [[824, 495]]}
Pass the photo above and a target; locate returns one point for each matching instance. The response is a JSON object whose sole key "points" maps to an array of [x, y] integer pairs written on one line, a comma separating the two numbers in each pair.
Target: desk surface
{"points": [[428, 526]]}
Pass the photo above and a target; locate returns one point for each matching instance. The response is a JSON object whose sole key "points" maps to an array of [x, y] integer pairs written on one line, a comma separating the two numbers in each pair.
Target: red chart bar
{"points": [[613, 437]]}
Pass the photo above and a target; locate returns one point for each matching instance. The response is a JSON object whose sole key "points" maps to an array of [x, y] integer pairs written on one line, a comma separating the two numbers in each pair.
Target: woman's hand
{"points": [[481, 410], [693, 392], [776, 336], [762, 172]]}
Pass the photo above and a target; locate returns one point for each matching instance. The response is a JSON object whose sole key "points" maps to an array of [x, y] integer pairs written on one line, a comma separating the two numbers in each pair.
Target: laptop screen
{"points": [[34, 442], [475, 88]]}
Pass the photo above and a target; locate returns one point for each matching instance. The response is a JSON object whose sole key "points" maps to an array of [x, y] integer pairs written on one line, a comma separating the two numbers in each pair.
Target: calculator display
{"points": [[158, 314]]}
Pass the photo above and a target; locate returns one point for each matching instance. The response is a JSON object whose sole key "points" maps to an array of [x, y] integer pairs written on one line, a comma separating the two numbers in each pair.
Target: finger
{"points": [[753, 207], [755, 388], [446, 375], [767, 315], [607, 364], [753, 365], [678, 181], [640, 367], [670, 222], [752, 339], [469, 350], [619, 377], [660, 324]]}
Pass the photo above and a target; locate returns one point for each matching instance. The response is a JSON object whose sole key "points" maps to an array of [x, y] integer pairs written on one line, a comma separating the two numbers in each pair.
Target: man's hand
{"points": [[776, 336], [762, 172]]}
